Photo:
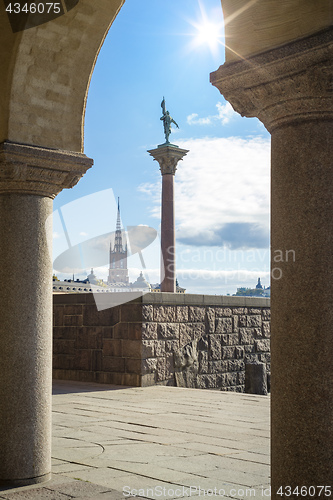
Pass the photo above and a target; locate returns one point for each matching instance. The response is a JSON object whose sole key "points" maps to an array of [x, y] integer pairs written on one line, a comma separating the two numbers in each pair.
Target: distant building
{"points": [[157, 288], [118, 280], [118, 272], [258, 291]]}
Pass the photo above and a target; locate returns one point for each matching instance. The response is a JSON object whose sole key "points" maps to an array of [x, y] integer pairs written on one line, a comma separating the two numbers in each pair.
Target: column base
{"points": [[16, 483]]}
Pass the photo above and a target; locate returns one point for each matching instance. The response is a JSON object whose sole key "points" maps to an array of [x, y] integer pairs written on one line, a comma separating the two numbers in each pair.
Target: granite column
{"points": [[30, 177], [290, 90], [168, 156]]}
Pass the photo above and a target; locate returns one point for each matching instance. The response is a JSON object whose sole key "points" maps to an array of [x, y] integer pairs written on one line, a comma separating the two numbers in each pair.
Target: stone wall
{"points": [[187, 340]]}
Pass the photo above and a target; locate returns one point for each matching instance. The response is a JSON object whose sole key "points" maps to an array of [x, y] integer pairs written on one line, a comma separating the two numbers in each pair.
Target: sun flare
{"points": [[208, 33]]}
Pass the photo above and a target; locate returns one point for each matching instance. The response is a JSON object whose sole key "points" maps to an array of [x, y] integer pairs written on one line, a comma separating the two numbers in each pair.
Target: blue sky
{"points": [[221, 186]]}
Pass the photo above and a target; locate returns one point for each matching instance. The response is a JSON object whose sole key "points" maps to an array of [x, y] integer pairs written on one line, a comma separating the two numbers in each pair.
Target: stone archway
{"points": [[44, 77]]}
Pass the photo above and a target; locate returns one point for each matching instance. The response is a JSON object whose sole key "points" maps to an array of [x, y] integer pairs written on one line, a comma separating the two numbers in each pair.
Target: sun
{"points": [[208, 33]]}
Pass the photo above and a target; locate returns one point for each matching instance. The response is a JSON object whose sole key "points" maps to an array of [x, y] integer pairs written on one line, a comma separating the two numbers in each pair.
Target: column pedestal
{"points": [[29, 178], [168, 157], [290, 90]]}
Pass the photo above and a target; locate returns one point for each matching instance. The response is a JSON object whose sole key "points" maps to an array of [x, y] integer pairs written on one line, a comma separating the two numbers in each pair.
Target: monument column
{"points": [[30, 177], [168, 156], [290, 90]]}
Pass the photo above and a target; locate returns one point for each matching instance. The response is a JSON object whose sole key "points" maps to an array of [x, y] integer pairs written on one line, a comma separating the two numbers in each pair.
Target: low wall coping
{"points": [[166, 298]]}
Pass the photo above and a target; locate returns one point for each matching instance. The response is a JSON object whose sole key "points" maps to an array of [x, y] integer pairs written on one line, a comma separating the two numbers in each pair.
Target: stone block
{"points": [[148, 349], [236, 365], [73, 309], [147, 312], [253, 310], [232, 339], [228, 352], [97, 360], [262, 345], [63, 361], [165, 314], [239, 310], [58, 315], [82, 359], [187, 357], [215, 351], [246, 336], [206, 381], [107, 332], [131, 379], [203, 343], [229, 379], [217, 366], [171, 345], [65, 332], [161, 371], [203, 362], [112, 347], [255, 378], [93, 317], [223, 325], [185, 334], [248, 348], [148, 379], [196, 314], [254, 321], [251, 358], [160, 348], [72, 320], [133, 366], [149, 331], [168, 330], [242, 321], [210, 320], [222, 312], [235, 321], [266, 314], [239, 352], [134, 331], [149, 365], [64, 347], [265, 358], [182, 313], [131, 348], [241, 377], [112, 364], [89, 338], [266, 329], [120, 331], [131, 313]]}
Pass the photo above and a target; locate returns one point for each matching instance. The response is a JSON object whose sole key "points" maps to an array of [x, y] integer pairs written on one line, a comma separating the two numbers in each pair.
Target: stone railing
{"points": [[186, 340]]}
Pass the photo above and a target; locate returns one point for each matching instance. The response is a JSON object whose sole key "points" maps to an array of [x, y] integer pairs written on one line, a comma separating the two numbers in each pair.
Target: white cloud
{"points": [[194, 120], [224, 115], [222, 192]]}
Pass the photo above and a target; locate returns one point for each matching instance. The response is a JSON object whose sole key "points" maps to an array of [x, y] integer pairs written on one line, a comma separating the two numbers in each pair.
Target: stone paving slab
{"points": [[113, 443]]}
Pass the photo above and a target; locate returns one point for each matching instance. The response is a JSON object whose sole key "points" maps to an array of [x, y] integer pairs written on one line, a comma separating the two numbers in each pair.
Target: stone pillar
{"points": [[30, 177], [168, 157], [290, 90]]}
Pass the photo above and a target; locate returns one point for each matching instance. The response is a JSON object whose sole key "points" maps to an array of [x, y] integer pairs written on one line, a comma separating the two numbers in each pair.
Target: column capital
{"points": [[168, 156], [284, 85], [39, 171]]}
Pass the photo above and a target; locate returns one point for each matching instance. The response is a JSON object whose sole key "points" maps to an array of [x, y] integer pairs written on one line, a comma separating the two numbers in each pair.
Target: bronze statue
{"points": [[167, 120]]}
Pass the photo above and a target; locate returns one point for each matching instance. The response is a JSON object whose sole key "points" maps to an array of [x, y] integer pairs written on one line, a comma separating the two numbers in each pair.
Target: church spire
{"points": [[118, 272], [118, 243], [118, 227]]}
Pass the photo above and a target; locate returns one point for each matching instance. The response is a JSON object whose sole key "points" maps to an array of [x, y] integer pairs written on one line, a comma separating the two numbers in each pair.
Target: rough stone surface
{"points": [[255, 378], [189, 345]]}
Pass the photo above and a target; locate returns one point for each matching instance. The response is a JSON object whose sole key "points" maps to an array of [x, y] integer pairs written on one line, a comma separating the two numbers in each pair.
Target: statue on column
{"points": [[167, 120]]}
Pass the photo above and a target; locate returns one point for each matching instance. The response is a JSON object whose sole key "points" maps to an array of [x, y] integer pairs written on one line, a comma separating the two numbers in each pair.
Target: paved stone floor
{"points": [[156, 442]]}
